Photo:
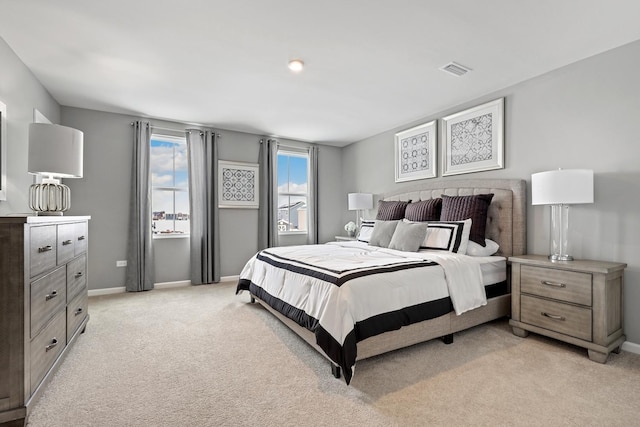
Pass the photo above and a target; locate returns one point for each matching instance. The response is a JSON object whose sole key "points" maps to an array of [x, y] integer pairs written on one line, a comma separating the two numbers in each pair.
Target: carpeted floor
{"points": [[202, 356]]}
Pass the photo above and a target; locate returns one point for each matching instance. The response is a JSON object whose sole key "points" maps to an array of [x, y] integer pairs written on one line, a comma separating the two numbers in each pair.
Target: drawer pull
{"points": [[553, 316], [78, 311], [54, 342], [554, 284], [67, 242], [81, 237], [45, 249], [79, 274], [52, 295]]}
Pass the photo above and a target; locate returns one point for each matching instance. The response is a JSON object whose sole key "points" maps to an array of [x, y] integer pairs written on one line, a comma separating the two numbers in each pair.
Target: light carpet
{"points": [[202, 356]]}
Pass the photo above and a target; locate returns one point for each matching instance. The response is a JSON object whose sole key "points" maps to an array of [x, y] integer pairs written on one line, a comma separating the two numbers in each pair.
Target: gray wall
{"points": [[584, 115], [104, 191], [21, 92]]}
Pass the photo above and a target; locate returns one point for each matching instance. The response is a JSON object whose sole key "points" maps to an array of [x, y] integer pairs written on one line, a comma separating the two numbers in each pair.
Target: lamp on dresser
{"points": [[358, 202], [561, 188], [56, 152]]}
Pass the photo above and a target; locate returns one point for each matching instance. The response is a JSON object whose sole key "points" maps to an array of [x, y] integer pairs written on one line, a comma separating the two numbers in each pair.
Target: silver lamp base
{"points": [[558, 257], [49, 198]]}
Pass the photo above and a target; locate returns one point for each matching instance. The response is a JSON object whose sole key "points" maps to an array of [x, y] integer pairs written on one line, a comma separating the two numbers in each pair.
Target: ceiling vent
{"points": [[455, 69]]}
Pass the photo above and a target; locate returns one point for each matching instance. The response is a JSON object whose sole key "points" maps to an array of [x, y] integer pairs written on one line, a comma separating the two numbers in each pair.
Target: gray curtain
{"points": [[202, 149], [312, 203], [268, 196], [140, 274]]}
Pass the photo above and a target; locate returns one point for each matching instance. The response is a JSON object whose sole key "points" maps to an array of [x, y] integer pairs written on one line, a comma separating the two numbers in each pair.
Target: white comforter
{"points": [[333, 284]]}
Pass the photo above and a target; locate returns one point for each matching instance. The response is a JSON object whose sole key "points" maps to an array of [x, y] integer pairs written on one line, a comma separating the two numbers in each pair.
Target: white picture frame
{"points": [[3, 151], [415, 152], [238, 185], [473, 139]]}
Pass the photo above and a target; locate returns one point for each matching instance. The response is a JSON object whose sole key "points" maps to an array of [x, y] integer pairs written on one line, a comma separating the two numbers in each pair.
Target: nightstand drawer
{"points": [[42, 249], [76, 276], [563, 318], [570, 286], [76, 313]]}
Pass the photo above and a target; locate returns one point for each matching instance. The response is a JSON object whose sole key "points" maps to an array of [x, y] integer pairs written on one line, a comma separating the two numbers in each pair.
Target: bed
{"points": [[330, 295]]}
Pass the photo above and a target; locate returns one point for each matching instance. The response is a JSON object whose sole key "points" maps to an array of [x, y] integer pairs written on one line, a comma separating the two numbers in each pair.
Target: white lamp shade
{"points": [[359, 201], [562, 186], [55, 150]]}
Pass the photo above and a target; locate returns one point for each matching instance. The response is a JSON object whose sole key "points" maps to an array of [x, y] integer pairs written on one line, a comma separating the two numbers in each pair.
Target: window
{"points": [[169, 185], [293, 176]]}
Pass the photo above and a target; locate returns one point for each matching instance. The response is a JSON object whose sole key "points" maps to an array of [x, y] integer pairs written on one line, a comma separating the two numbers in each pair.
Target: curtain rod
{"points": [[170, 129], [291, 147]]}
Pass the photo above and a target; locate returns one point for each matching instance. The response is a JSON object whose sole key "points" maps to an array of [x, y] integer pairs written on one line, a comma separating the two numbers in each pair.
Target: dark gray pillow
{"points": [[382, 233], [424, 210], [408, 236], [389, 210], [459, 208]]}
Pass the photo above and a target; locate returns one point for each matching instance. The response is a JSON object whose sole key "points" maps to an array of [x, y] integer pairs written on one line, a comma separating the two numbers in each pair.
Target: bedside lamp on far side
{"points": [[56, 152], [561, 188], [358, 202]]}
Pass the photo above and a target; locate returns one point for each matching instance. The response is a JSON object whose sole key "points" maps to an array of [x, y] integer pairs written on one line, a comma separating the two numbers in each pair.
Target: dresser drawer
{"points": [[46, 347], [76, 276], [48, 297], [556, 316], [66, 242], [81, 236], [570, 286], [76, 313], [42, 249]]}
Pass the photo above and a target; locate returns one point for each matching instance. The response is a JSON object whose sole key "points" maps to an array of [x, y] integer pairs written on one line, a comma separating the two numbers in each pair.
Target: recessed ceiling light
{"points": [[296, 65]]}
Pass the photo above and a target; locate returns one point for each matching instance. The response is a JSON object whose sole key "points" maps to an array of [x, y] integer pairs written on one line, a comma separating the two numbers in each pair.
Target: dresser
{"points": [[580, 302], [43, 304]]}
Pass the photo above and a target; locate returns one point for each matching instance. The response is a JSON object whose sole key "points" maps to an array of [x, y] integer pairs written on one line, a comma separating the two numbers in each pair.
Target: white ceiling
{"points": [[371, 65]]}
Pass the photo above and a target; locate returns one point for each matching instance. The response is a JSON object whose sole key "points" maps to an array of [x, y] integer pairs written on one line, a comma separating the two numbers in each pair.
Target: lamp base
{"points": [[558, 257], [49, 198]]}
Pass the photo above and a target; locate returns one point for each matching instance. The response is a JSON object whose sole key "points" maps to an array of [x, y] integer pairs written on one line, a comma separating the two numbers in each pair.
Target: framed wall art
{"points": [[415, 152], [237, 185], [473, 139], [3, 151]]}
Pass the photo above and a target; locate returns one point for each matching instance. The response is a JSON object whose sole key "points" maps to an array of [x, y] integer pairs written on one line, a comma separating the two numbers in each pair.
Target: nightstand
{"points": [[579, 302], [344, 239]]}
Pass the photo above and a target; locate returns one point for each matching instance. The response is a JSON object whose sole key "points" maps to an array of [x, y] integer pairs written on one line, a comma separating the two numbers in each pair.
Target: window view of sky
{"points": [[292, 192], [169, 181]]}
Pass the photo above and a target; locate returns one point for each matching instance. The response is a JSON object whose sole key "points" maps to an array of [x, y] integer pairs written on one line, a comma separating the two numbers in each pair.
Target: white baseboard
{"points": [[631, 347], [161, 285]]}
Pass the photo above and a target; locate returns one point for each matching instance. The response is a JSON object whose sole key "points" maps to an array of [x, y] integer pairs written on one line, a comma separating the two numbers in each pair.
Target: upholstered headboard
{"points": [[506, 218]]}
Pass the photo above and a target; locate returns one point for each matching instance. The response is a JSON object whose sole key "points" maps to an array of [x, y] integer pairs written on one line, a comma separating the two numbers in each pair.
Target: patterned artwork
{"points": [[415, 153], [237, 185], [473, 139]]}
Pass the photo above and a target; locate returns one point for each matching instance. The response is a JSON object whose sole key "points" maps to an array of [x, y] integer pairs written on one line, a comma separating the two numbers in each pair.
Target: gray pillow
{"points": [[408, 236], [382, 233]]}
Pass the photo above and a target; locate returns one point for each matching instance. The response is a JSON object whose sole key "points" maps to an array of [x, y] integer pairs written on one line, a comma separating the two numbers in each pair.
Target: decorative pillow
{"points": [[424, 210], [382, 233], [364, 235], [459, 208], [391, 210], [489, 249], [408, 236], [452, 236]]}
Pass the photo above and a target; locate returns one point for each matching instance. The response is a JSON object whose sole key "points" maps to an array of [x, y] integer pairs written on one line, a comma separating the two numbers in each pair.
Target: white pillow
{"points": [[475, 249], [364, 235], [452, 236]]}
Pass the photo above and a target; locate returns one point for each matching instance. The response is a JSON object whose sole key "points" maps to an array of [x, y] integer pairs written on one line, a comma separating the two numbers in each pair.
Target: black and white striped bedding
{"points": [[347, 292]]}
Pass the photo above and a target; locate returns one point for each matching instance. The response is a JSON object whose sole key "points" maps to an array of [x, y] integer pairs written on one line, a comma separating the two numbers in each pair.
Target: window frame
{"points": [[302, 153], [178, 140]]}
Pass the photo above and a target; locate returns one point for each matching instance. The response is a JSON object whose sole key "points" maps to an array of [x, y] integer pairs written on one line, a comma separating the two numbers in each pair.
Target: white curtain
{"points": [[140, 273], [268, 210], [202, 149]]}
